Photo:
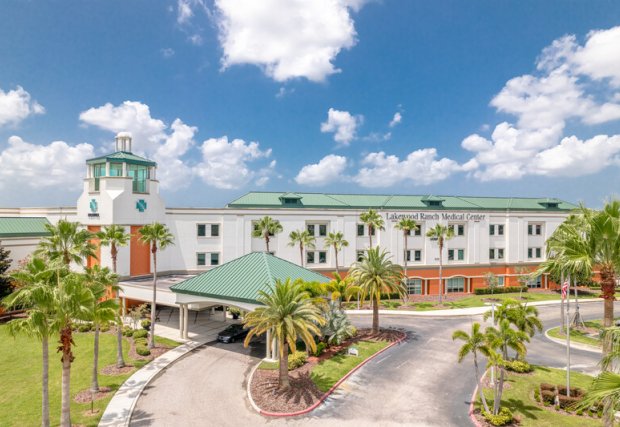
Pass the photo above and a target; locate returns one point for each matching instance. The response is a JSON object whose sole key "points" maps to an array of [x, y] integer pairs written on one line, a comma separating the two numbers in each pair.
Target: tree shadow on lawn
{"points": [[528, 411], [325, 382]]}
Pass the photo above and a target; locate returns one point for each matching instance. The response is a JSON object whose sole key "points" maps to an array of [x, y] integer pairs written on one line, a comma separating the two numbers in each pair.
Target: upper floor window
{"points": [[212, 229], [321, 229], [212, 257], [457, 229], [456, 254], [416, 232], [496, 229], [534, 229], [316, 257], [413, 255], [496, 253], [534, 253], [361, 230]]}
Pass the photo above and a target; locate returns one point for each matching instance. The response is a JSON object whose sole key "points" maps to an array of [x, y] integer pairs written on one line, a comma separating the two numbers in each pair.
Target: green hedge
{"points": [[296, 360], [504, 417], [502, 290], [143, 350], [140, 333]]}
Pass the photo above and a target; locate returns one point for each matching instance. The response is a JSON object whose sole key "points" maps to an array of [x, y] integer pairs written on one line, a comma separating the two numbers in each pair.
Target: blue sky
{"points": [[511, 98]]}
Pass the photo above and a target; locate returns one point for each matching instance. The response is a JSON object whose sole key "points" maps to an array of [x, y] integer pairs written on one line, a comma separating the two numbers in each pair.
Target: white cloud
{"points": [[286, 38], [377, 137], [225, 164], [420, 167], [57, 165], [167, 52], [543, 104], [396, 119], [329, 169], [343, 124], [16, 105], [195, 39]]}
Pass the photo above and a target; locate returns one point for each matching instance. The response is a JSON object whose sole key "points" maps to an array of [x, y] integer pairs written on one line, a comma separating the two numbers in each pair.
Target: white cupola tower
{"points": [[123, 142]]}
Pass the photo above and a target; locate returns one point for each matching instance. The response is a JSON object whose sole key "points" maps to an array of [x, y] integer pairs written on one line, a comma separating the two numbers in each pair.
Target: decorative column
{"points": [[268, 346], [185, 316], [181, 322]]}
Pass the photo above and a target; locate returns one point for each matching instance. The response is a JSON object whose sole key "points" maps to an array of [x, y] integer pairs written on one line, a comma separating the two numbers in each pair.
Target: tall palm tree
{"points": [[73, 300], [35, 293], [441, 233], [266, 227], [406, 225], [474, 343], [374, 221], [504, 337], [99, 281], [66, 242], [337, 241], [302, 238], [115, 236], [342, 288], [157, 236], [523, 317], [496, 361], [289, 314], [377, 275]]}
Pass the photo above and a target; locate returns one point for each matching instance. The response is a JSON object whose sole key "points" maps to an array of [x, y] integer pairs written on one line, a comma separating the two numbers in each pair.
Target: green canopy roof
{"points": [[23, 227], [242, 278], [258, 199], [122, 157]]}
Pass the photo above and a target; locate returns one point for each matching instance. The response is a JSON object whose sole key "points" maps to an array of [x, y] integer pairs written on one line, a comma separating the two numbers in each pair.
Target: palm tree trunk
{"points": [[284, 382], [370, 235], [301, 254], [120, 362], [67, 356], [499, 389], [45, 393], [336, 256], [482, 398], [267, 242], [94, 386], [375, 315], [154, 303], [440, 272]]}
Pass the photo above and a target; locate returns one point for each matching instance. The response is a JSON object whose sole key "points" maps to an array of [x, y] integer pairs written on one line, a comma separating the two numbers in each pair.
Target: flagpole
{"points": [[567, 339]]}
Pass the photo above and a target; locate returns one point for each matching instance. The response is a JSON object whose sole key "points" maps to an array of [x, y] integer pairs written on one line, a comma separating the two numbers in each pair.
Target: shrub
{"points": [[504, 417], [547, 386], [537, 395], [567, 401], [104, 328], [143, 350], [548, 396], [520, 366], [320, 348], [140, 342], [85, 327], [140, 333], [504, 290], [391, 304], [425, 304], [296, 360], [574, 391], [127, 331], [146, 324], [353, 331]]}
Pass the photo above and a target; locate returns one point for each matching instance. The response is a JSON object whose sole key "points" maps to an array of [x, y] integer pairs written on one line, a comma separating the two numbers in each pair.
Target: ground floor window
{"points": [[455, 284], [500, 280], [414, 286], [535, 282]]}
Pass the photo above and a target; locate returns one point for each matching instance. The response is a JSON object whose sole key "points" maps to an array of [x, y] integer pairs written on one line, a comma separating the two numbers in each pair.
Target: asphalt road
{"points": [[417, 383]]}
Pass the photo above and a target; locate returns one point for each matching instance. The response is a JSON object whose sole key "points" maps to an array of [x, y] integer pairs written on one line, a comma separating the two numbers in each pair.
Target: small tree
{"points": [[265, 228], [302, 238], [374, 221], [491, 281], [5, 264], [441, 234], [337, 241]]}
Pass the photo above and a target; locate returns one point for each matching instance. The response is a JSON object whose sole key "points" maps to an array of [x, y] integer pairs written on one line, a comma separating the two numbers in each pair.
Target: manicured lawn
{"points": [[519, 398], [20, 377], [328, 372], [578, 336]]}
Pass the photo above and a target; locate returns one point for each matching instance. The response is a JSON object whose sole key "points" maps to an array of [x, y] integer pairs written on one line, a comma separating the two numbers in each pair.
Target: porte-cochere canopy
{"points": [[237, 282]]}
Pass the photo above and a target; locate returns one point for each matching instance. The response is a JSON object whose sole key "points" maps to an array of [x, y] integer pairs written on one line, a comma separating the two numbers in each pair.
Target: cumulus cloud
{"points": [[287, 38], [396, 119], [329, 169], [226, 164], [167, 52], [343, 124], [420, 167], [55, 165], [16, 105], [574, 84]]}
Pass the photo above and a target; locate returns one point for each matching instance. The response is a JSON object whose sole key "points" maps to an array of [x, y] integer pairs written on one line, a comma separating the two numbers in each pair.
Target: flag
{"points": [[564, 289]]}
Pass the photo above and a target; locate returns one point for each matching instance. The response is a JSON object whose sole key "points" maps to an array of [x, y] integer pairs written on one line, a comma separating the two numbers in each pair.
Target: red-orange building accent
{"points": [[92, 261], [139, 254]]}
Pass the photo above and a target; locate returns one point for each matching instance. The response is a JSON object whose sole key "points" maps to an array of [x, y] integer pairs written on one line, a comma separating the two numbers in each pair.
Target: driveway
{"points": [[416, 383]]}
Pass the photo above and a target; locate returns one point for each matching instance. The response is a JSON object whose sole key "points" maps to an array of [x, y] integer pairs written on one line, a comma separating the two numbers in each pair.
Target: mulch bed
{"points": [[112, 370], [303, 393], [85, 396], [515, 422]]}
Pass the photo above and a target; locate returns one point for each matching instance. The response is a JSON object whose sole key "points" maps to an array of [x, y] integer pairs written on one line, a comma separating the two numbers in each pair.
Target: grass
{"points": [[330, 371], [519, 398], [579, 336], [269, 366], [20, 377]]}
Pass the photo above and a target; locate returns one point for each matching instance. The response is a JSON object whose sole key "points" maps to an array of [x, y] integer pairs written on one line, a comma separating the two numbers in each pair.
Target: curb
{"points": [[577, 346], [327, 393], [473, 418]]}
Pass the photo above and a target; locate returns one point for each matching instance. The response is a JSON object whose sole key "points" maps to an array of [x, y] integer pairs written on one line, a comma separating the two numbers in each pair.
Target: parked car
{"points": [[232, 333]]}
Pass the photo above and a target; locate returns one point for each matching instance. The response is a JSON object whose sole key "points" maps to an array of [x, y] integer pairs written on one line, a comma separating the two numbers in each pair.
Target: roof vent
{"points": [[433, 201], [123, 142], [290, 199], [550, 203]]}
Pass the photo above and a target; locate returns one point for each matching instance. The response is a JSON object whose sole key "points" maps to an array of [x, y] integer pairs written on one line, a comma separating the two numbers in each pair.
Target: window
{"points": [[312, 229], [418, 231], [215, 258], [417, 255], [201, 259], [360, 229], [310, 257], [316, 257], [255, 226], [322, 257], [372, 230], [322, 230], [414, 286], [456, 254], [140, 175], [457, 229], [215, 230], [534, 229], [496, 253], [116, 169], [500, 253], [201, 230], [534, 253], [496, 229], [360, 255], [500, 280], [98, 171], [455, 284], [536, 282]]}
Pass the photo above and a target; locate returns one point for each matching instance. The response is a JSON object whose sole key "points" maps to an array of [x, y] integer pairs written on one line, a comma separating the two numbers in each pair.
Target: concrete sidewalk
{"points": [[456, 312]]}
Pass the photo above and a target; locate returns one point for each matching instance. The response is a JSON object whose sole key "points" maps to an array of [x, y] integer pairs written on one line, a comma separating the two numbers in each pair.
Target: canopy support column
{"points": [[268, 346], [185, 316], [181, 319]]}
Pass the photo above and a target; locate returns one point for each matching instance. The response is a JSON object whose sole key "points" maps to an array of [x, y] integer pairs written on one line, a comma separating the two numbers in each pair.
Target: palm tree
{"points": [[266, 227], [523, 317], [406, 225], [73, 300], [115, 236], [504, 337], [157, 236], [342, 288], [496, 361], [337, 241], [303, 239], [104, 310], [374, 221], [289, 314], [441, 233], [377, 275], [474, 343], [67, 243], [36, 294]]}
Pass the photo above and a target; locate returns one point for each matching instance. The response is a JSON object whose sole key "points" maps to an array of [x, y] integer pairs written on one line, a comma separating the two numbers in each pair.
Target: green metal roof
{"points": [[122, 156], [23, 227], [242, 278], [376, 201]]}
